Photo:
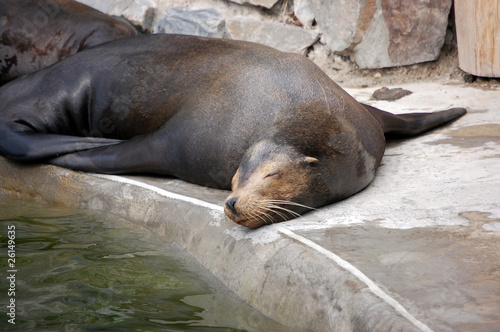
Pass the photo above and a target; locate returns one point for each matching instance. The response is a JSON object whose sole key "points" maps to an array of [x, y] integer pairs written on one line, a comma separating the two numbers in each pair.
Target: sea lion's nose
{"points": [[230, 203]]}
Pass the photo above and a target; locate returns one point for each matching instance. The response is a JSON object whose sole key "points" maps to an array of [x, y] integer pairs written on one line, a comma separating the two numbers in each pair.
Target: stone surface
{"points": [[374, 33], [139, 12], [337, 20], [452, 272], [383, 33], [202, 22], [303, 11], [281, 36], [262, 3]]}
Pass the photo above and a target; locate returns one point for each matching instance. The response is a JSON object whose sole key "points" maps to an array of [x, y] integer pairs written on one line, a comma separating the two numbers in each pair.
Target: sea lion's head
{"points": [[274, 183], [308, 159]]}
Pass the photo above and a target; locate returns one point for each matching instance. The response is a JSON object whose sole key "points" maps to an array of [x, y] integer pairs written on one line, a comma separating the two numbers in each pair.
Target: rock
{"points": [[413, 32], [139, 12], [303, 11], [263, 3], [390, 94], [383, 33], [337, 20], [202, 22], [286, 38]]}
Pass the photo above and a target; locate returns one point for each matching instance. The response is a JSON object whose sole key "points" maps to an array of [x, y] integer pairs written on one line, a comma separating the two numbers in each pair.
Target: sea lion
{"points": [[208, 111], [37, 33]]}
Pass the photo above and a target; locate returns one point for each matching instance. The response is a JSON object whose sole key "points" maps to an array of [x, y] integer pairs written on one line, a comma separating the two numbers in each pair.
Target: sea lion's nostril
{"points": [[230, 203]]}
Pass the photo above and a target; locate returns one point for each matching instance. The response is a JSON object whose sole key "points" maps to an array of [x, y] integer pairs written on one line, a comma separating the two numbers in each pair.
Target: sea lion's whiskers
{"points": [[268, 216], [278, 201], [273, 207], [256, 215], [293, 213], [270, 208], [270, 219], [262, 215]]}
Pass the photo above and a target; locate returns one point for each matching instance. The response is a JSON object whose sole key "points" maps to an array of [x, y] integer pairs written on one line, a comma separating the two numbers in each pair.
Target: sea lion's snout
{"points": [[232, 213], [230, 204]]}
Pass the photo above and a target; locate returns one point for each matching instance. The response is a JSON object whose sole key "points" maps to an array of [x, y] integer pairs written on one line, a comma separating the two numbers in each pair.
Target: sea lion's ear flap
{"points": [[311, 160]]}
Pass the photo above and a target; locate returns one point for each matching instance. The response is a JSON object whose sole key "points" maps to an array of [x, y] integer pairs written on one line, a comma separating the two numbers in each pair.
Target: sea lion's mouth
{"points": [[250, 223], [267, 212], [243, 220]]}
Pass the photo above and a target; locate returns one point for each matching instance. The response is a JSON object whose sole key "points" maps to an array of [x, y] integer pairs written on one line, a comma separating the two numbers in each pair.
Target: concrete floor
{"points": [[428, 228], [416, 250]]}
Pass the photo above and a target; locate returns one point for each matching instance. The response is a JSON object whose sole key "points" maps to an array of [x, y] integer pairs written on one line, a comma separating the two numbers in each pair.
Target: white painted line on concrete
{"points": [[360, 275], [160, 191], [343, 263]]}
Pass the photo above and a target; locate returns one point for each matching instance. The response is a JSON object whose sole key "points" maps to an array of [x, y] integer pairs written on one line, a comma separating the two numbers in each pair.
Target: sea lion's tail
{"points": [[412, 124]]}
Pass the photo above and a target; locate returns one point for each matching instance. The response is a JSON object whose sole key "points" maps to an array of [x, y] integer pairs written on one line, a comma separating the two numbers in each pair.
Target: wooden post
{"points": [[478, 36]]}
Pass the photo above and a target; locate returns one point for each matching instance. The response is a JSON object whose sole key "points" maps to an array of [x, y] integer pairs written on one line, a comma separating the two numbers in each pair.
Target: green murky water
{"points": [[78, 271]]}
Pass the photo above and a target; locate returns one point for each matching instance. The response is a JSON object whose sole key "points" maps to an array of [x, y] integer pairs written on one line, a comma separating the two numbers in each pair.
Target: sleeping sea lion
{"points": [[220, 113], [37, 33]]}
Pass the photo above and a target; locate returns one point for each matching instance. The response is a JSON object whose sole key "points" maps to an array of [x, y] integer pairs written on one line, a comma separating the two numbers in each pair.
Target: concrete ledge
{"points": [[282, 274]]}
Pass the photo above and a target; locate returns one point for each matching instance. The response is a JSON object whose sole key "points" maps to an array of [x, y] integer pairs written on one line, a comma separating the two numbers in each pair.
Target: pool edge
{"points": [[271, 268]]}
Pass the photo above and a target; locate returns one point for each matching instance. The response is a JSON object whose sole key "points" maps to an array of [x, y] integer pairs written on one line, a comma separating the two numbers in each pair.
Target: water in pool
{"points": [[80, 271]]}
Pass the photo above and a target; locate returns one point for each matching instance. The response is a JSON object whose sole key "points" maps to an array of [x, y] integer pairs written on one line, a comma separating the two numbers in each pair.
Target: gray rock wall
{"points": [[373, 33]]}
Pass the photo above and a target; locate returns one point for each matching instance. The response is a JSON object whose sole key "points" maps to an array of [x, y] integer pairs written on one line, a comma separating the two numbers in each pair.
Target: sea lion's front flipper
{"points": [[412, 124], [137, 155], [33, 146]]}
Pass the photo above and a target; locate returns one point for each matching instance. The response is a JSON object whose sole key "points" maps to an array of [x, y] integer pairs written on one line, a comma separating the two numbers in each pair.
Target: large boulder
{"points": [[383, 33], [262, 3], [284, 37], [302, 9], [139, 12], [202, 22]]}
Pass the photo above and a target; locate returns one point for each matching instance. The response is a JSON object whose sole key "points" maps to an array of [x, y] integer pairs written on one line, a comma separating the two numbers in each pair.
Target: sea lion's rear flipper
{"points": [[412, 124], [32, 146]]}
